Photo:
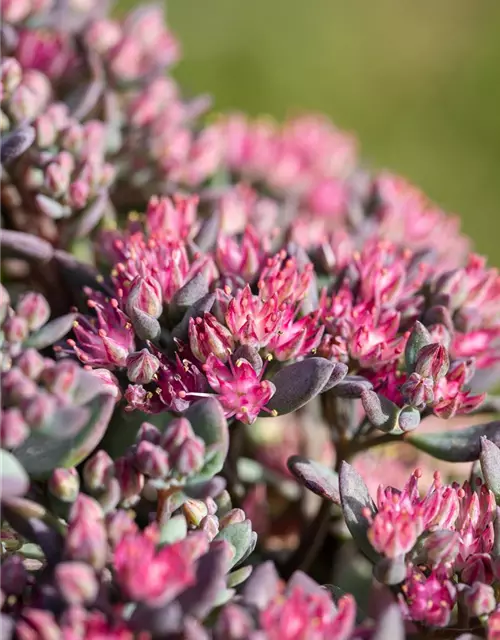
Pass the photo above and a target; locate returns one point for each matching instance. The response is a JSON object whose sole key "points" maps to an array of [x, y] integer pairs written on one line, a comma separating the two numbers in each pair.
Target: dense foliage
{"points": [[224, 340]]}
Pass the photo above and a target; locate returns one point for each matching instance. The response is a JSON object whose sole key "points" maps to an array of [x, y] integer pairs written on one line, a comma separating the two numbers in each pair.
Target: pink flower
{"points": [[296, 338], [207, 335], [429, 599], [253, 320], [451, 395], [239, 388], [105, 340], [308, 616], [146, 574], [47, 51], [241, 258], [282, 278], [402, 516]]}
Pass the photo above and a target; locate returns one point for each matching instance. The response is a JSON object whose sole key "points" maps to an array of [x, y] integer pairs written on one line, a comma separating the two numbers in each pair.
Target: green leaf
{"points": [[51, 332], [355, 499], [14, 480], [239, 576], [458, 445], [209, 423], [173, 530], [40, 454], [316, 477], [239, 535]]}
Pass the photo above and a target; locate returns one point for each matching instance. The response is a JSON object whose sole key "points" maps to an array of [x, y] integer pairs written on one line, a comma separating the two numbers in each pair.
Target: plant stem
{"points": [[364, 445]]}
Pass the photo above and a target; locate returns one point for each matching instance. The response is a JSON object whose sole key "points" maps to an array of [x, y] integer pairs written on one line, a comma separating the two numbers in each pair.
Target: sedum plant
{"points": [[247, 383]]}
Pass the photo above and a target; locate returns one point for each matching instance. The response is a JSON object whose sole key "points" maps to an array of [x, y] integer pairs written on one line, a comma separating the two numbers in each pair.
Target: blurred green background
{"points": [[417, 80]]}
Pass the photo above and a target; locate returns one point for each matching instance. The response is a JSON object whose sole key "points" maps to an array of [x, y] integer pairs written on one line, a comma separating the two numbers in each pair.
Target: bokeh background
{"points": [[417, 80]]}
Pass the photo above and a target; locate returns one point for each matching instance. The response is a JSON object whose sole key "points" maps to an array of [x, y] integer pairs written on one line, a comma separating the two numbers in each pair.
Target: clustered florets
{"points": [[267, 297]]}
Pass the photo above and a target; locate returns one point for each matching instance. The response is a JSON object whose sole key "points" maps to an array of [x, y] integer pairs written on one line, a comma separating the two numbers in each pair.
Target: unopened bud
{"points": [[208, 336], [195, 511], [479, 599], [119, 524], [76, 582], [31, 363], [442, 546], [79, 194], [151, 460], [4, 302], [37, 623], [39, 409], [190, 456], [13, 428], [64, 484], [86, 536], [11, 73], [34, 308], [46, 131], [146, 296], [210, 525], [142, 366], [478, 568], [62, 378], [233, 623], [109, 381], [176, 433], [419, 337], [131, 481], [432, 361], [97, 471], [15, 329], [418, 391], [16, 387], [149, 432], [232, 517]]}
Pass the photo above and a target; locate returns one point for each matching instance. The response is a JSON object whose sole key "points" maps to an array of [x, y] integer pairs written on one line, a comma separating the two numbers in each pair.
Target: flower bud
{"points": [[62, 378], [189, 457], [176, 433], [97, 471], [34, 308], [195, 511], [142, 366], [79, 194], [14, 575], [210, 525], [15, 329], [118, 524], [211, 506], [4, 302], [16, 387], [31, 363], [39, 409], [149, 432], [151, 460], [146, 296], [419, 337], [11, 72], [478, 568], [479, 599], [13, 428], [131, 481], [64, 484], [45, 130], [86, 536], [109, 382], [76, 582], [208, 336], [418, 391], [232, 517], [442, 546], [233, 623], [432, 361]]}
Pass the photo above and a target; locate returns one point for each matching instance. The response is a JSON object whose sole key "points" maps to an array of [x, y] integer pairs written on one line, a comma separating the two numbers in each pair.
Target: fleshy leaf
{"points": [[338, 374], [196, 310], [390, 571], [239, 535], [262, 585], [239, 576], [457, 446], [13, 478], [41, 453], [355, 498], [173, 530], [490, 465], [210, 582], [419, 337], [23, 245], [316, 477], [298, 383], [352, 387], [208, 421], [390, 625], [51, 332], [191, 292], [16, 143]]}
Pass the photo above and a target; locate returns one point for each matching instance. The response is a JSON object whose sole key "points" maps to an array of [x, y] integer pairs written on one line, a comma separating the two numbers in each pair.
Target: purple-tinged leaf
{"points": [[192, 292], [338, 374], [14, 480], [16, 143], [390, 571], [207, 236], [496, 534], [52, 332], [197, 310], [319, 479], [490, 465], [458, 445], [298, 383], [199, 600], [355, 498], [204, 490], [79, 274], [88, 219], [161, 622], [390, 625], [209, 423], [419, 337], [250, 354], [262, 585], [17, 244], [351, 387]]}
